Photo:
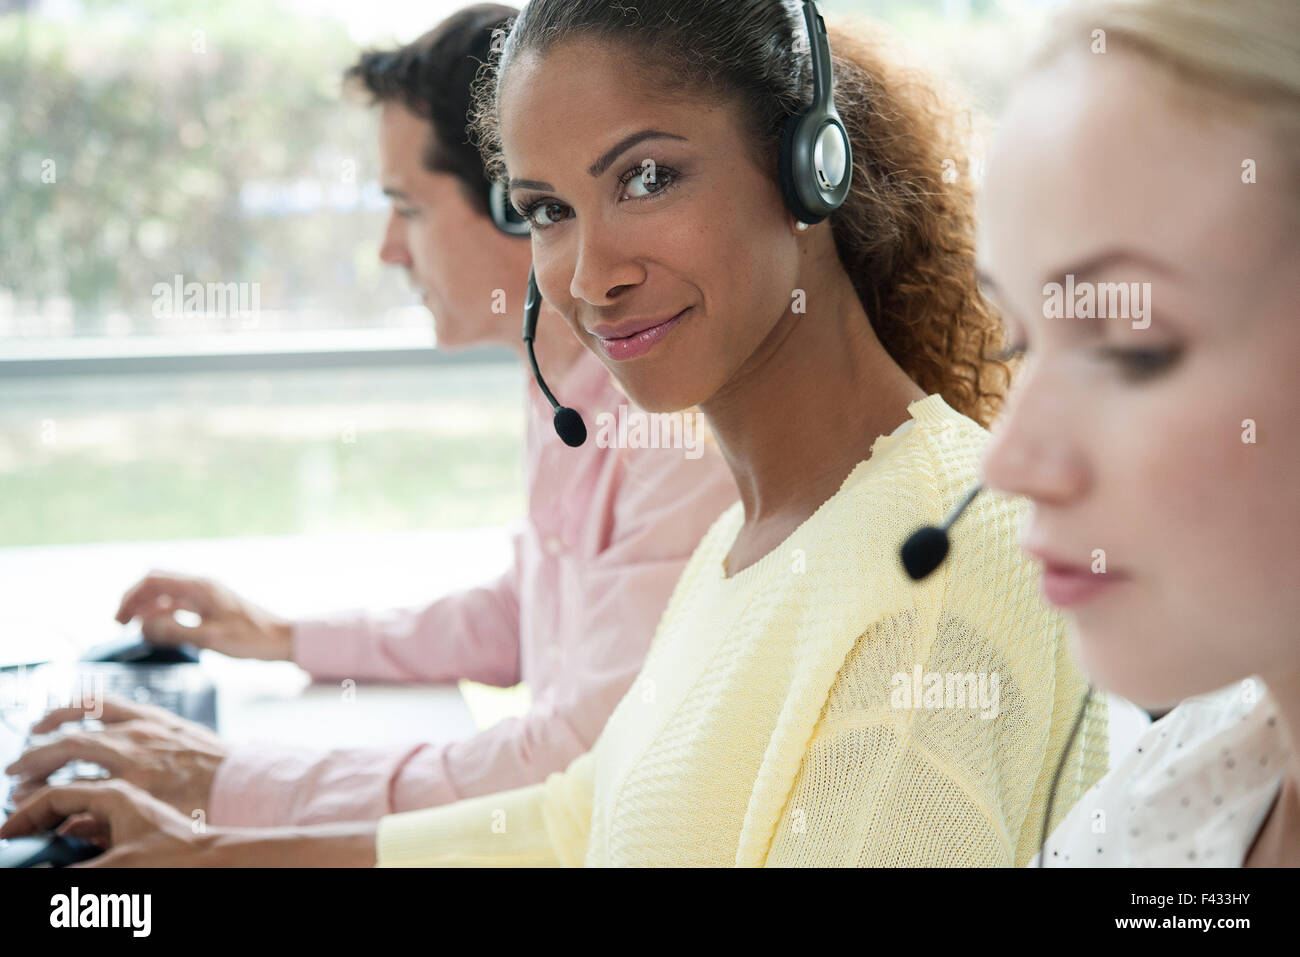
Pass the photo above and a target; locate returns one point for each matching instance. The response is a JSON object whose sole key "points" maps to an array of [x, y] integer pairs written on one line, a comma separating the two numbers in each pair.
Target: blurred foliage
{"points": [[980, 44], [265, 486], [217, 454], [211, 141], [155, 114]]}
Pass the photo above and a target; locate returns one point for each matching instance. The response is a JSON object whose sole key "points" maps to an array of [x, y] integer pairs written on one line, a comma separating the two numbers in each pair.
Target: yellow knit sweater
{"points": [[819, 707]]}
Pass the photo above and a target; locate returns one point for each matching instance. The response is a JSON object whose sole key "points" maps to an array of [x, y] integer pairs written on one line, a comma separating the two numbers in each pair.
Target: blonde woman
{"points": [[1154, 144]]}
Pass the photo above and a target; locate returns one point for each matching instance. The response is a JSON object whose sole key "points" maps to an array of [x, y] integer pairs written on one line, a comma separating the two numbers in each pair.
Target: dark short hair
{"points": [[432, 77]]}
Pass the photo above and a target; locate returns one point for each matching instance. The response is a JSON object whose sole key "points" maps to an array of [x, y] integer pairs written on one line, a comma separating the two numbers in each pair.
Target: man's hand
{"points": [[228, 624], [173, 759], [133, 828], [137, 830]]}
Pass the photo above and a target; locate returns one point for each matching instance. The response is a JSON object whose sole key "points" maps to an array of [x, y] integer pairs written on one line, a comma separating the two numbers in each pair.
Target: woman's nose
{"points": [[602, 267], [1033, 451]]}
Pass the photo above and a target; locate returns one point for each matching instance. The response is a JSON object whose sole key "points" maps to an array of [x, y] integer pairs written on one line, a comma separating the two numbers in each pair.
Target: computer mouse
{"points": [[46, 850], [134, 650]]}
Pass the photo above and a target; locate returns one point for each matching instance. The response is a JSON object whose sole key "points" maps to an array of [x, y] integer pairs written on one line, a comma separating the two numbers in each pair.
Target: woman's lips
{"points": [[1068, 586], [642, 342]]}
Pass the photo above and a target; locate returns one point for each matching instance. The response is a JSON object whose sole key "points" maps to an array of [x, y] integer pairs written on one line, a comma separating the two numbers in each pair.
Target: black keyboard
{"points": [[182, 689]]}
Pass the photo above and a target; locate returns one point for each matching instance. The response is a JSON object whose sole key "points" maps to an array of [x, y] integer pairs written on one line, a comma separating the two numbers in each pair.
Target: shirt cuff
{"points": [[267, 787]]}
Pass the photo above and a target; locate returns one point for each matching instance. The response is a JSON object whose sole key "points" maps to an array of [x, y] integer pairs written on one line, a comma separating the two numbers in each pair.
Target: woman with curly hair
{"points": [[803, 701]]}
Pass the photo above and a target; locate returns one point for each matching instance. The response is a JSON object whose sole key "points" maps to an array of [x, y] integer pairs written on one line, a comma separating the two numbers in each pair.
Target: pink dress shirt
{"points": [[608, 532]]}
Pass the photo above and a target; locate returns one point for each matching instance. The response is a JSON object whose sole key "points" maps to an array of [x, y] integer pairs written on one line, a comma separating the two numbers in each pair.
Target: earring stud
{"points": [[801, 226]]}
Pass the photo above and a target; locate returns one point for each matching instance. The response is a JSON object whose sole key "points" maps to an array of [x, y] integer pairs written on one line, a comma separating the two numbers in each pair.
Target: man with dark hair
{"points": [[432, 77]]}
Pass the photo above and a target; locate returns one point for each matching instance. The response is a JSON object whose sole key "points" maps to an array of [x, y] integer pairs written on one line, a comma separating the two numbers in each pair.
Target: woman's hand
{"points": [[133, 828], [149, 747], [228, 624]]}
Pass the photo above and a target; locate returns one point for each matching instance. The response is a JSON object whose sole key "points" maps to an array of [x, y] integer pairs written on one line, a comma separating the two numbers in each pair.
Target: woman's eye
{"points": [[404, 212], [542, 205], [1013, 351], [1139, 365], [649, 177]]}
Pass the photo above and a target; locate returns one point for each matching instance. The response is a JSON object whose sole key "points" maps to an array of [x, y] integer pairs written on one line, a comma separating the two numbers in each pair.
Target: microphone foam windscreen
{"points": [[923, 551], [570, 427]]}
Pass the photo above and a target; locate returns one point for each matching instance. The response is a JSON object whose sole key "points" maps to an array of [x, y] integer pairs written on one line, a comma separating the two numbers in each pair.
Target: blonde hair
{"points": [[1242, 52]]}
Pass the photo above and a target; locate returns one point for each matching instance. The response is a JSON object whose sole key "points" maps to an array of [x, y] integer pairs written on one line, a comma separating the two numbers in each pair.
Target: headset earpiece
{"points": [[504, 215], [816, 158]]}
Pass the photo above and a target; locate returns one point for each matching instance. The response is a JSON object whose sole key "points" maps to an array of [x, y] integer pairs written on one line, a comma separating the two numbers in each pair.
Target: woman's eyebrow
{"points": [[1084, 269], [625, 144], [1108, 259], [605, 160]]}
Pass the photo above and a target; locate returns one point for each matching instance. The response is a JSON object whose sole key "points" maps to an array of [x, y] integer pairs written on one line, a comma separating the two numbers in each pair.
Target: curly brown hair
{"points": [[905, 233]]}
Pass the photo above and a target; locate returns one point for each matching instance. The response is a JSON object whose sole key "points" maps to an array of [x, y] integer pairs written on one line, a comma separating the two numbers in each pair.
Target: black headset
{"points": [[816, 158], [504, 214], [815, 168]]}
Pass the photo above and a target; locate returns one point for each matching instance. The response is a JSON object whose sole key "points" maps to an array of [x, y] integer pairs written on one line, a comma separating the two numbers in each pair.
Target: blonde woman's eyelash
{"points": [[1013, 351], [1139, 365]]}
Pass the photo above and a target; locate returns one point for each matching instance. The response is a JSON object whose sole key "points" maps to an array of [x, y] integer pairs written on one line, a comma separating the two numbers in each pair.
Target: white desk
{"points": [[276, 703], [57, 600]]}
